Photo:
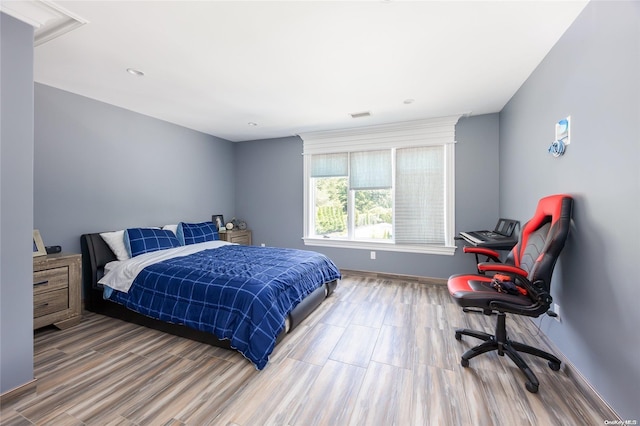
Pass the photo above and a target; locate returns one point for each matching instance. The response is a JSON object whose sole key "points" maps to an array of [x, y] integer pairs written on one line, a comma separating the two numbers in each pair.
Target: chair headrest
{"points": [[555, 207]]}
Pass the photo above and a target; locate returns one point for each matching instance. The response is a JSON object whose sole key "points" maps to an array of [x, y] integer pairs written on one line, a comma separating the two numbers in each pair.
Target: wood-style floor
{"points": [[379, 351]]}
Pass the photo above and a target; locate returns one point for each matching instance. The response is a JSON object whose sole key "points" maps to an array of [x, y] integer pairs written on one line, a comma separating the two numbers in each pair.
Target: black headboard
{"points": [[95, 255]]}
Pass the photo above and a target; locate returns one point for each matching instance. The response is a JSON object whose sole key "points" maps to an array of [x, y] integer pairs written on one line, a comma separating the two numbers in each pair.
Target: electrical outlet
{"points": [[373, 255], [263, 245], [556, 309]]}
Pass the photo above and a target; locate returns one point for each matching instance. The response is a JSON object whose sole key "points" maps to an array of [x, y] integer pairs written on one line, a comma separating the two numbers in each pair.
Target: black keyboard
{"points": [[489, 239]]}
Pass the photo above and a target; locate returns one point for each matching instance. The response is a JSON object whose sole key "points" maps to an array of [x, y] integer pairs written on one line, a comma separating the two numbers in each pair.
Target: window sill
{"points": [[370, 245]]}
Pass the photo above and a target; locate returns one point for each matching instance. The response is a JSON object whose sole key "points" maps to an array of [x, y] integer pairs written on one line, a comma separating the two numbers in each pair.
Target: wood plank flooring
{"points": [[379, 351]]}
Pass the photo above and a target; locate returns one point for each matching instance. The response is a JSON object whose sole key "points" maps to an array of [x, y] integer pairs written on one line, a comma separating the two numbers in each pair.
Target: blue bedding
{"points": [[240, 293]]}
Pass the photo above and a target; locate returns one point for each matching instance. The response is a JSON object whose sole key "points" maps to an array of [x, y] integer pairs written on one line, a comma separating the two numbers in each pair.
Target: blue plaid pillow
{"points": [[192, 233], [145, 240]]}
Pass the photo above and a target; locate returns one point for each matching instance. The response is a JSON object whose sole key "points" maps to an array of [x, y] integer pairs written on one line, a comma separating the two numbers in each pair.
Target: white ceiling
{"points": [[299, 66]]}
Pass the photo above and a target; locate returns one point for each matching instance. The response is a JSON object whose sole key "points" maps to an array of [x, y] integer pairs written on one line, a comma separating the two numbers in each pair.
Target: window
{"points": [[388, 187], [356, 182]]}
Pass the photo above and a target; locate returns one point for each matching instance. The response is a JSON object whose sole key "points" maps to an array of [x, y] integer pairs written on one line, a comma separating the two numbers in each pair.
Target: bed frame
{"points": [[96, 254]]}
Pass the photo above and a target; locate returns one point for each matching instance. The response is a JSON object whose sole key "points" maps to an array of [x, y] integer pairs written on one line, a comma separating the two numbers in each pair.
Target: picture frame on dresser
{"points": [[38, 245], [218, 220]]}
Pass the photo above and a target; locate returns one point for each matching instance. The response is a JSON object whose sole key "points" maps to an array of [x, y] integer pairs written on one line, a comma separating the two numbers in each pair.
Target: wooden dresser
{"points": [[237, 236], [56, 290]]}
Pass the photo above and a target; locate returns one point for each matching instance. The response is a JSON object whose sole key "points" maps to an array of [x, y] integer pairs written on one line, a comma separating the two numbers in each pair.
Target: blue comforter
{"points": [[240, 293]]}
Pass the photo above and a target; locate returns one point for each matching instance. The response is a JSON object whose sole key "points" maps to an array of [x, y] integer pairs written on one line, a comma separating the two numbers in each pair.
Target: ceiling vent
{"points": [[48, 19], [360, 114]]}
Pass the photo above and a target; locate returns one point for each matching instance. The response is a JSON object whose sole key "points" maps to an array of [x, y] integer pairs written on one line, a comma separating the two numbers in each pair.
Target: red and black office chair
{"points": [[523, 290]]}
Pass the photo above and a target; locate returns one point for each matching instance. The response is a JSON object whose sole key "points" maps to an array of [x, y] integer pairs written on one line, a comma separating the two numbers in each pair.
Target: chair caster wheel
{"points": [[458, 336], [464, 362], [531, 387], [555, 366]]}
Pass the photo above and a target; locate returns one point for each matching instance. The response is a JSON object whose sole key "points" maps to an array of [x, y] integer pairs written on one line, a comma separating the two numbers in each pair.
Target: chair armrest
{"points": [[501, 267], [541, 300], [536, 308], [482, 251], [536, 291]]}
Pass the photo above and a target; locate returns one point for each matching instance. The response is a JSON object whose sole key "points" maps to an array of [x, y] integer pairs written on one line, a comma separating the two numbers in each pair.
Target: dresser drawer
{"points": [[56, 290], [238, 237], [50, 279], [50, 302]]}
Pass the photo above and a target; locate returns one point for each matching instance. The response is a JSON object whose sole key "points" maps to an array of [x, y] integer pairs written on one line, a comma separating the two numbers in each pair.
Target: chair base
{"points": [[501, 343]]}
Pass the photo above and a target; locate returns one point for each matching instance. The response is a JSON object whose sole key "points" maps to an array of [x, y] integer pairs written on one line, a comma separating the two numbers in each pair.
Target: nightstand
{"points": [[237, 236], [56, 290]]}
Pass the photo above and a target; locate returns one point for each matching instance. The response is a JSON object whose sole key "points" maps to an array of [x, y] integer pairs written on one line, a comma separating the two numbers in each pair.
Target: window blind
{"points": [[329, 165], [420, 196], [370, 170]]}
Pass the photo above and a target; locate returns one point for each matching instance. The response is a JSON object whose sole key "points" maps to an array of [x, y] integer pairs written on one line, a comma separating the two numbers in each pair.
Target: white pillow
{"points": [[115, 241], [173, 228]]}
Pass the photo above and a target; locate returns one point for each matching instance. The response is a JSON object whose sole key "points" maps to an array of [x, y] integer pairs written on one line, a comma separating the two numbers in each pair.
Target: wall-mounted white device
{"points": [[562, 137], [563, 130]]}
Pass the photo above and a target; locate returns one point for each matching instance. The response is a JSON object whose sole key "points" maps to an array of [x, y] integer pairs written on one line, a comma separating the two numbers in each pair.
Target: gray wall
{"points": [[270, 198], [16, 207], [99, 167], [85, 181], [592, 74]]}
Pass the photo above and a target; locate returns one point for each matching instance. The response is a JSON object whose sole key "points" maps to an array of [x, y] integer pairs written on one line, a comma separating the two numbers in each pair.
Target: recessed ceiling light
{"points": [[409, 101], [135, 72], [251, 123]]}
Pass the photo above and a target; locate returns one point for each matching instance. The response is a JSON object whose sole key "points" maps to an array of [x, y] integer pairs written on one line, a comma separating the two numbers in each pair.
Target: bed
{"points": [[236, 297]]}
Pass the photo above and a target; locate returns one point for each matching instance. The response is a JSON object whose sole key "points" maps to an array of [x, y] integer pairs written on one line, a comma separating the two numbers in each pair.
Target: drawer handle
{"points": [[44, 305], [41, 283]]}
